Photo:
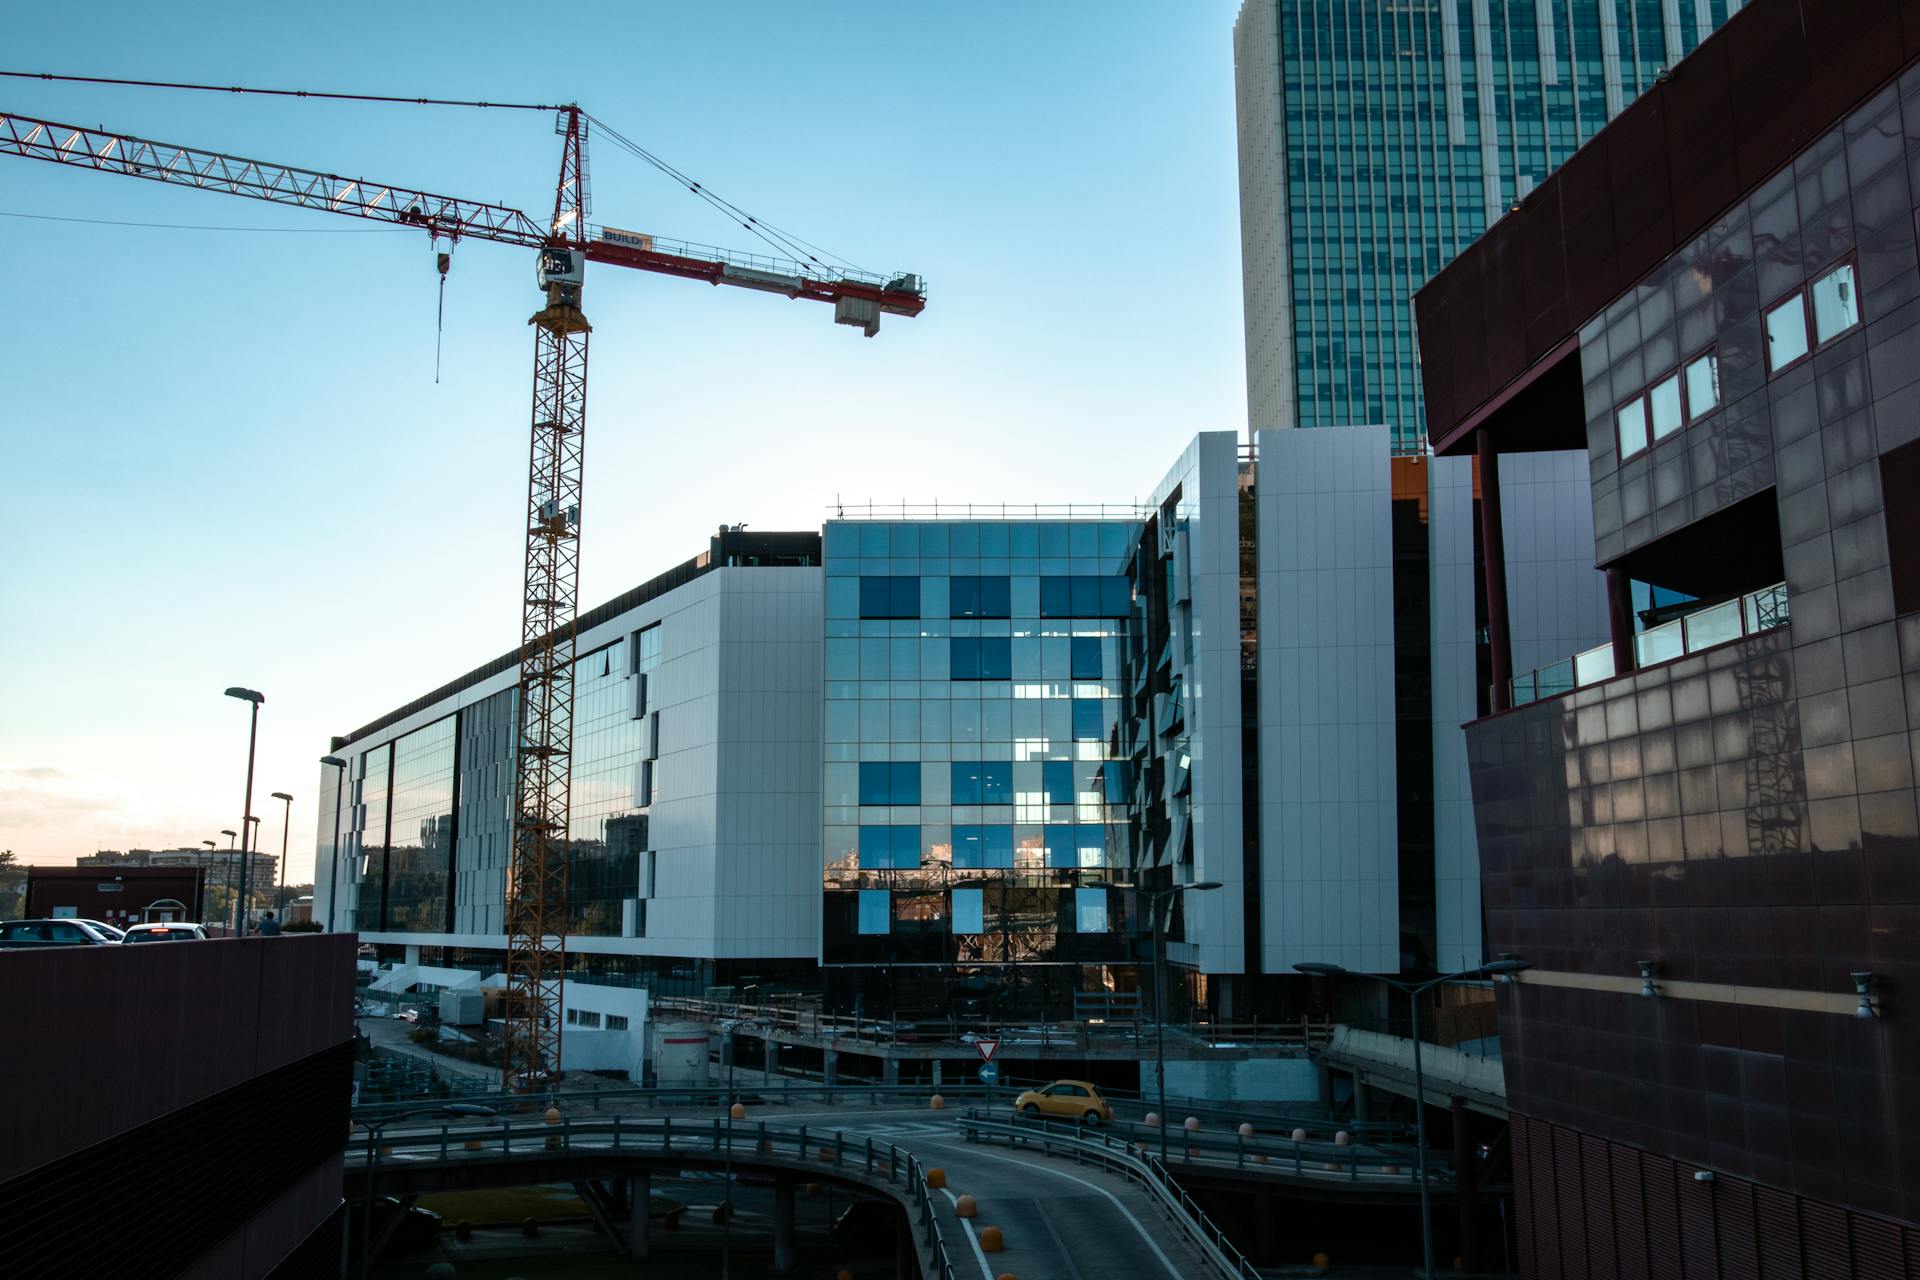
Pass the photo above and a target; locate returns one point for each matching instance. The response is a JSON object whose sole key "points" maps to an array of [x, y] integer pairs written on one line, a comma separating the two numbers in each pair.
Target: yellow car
{"points": [[1065, 1100]]}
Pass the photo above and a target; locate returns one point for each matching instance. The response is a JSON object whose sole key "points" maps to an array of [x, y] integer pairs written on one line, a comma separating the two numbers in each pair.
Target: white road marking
{"points": [[985, 1270], [1172, 1270]]}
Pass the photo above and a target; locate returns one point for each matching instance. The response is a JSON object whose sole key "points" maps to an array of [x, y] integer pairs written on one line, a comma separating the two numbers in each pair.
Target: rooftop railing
{"points": [[1704, 628], [936, 510]]}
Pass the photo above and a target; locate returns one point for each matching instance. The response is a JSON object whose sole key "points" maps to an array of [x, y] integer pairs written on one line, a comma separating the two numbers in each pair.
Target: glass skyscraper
{"points": [[1377, 139]]}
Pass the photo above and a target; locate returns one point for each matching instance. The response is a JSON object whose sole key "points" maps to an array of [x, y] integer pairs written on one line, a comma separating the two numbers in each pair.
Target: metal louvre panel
{"points": [[164, 1213], [1663, 1216], [1630, 1213], [1823, 1242], [1596, 1180], [1699, 1240], [1573, 1236], [1546, 1202], [1526, 1217], [1733, 1208], [1876, 1248], [1777, 1229]]}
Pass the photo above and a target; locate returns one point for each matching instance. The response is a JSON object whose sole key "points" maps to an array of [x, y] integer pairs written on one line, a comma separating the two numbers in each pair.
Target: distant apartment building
{"points": [[1378, 140], [1702, 834], [219, 866]]}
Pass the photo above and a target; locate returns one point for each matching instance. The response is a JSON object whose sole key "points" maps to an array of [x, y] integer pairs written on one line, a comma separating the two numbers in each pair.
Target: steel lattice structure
{"points": [[536, 909]]}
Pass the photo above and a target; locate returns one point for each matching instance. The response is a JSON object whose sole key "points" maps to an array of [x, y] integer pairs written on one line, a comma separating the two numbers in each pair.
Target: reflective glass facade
{"points": [[1395, 135], [972, 689], [420, 830], [610, 743]]}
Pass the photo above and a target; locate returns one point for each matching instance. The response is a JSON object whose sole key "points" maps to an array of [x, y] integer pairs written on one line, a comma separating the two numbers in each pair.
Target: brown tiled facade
{"points": [[1741, 820]]}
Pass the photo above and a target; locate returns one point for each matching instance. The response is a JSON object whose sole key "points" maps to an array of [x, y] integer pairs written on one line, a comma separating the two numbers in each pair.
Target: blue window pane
{"points": [[963, 658], [874, 542], [996, 782], [1117, 539], [969, 911], [1083, 540], [996, 658], [843, 540], [906, 597], [1116, 775], [1089, 910], [993, 539], [1088, 724], [1056, 779], [1086, 658], [1060, 848], [1056, 597], [906, 848], [977, 597], [997, 847], [1023, 540], [966, 782], [906, 783], [969, 848], [1086, 597], [1053, 540], [876, 913], [889, 597], [876, 847], [963, 598], [1090, 845], [876, 786], [964, 539], [1116, 598]]}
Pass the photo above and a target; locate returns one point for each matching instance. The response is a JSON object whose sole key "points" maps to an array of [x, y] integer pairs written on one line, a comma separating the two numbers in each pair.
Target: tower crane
{"points": [[564, 244]]}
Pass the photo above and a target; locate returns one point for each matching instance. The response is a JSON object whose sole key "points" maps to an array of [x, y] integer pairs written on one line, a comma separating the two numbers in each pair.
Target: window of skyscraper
{"points": [[1056, 779], [876, 912], [890, 783], [1703, 385], [969, 911], [1090, 910], [975, 597], [978, 848], [1086, 658], [889, 848], [1836, 303], [980, 658], [1664, 402], [982, 782], [1786, 333], [1631, 419], [889, 597]]}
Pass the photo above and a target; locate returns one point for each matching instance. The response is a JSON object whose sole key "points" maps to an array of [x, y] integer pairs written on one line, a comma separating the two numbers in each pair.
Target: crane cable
{"points": [[785, 242], [274, 93]]}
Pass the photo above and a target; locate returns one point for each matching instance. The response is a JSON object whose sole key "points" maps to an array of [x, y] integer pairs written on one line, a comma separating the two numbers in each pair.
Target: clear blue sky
{"points": [[228, 462]]}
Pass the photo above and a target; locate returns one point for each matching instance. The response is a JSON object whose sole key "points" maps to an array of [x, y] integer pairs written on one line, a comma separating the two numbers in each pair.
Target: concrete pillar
{"points": [[782, 1226], [936, 1073], [1266, 1225], [617, 1195], [639, 1224], [413, 951], [830, 1060], [890, 1070], [1325, 1075], [772, 1056], [1620, 619], [1362, 1109], [1493, 548], [906, 1255]]}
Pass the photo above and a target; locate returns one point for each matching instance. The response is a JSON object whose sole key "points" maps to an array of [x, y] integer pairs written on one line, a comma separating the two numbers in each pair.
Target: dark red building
{"points": [[1703, 835], [118, 895], [176, 1109]]}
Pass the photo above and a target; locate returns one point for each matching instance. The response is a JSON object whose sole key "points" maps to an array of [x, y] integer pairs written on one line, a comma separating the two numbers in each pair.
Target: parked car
{"points": [[1065, 1100], [54, 933], [113, 931], [169, 931]]}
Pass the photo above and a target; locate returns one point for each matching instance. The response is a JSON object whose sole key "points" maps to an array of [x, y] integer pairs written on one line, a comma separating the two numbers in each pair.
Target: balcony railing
{"points": [[1716, 624]]}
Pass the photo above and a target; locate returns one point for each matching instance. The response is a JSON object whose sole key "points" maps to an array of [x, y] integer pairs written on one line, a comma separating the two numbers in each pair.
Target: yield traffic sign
{"points": [[987, 1049]]}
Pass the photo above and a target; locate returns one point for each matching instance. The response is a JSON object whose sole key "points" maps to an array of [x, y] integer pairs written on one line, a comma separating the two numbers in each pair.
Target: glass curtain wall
{"points": [[373, 772], [972, 689], [610, 755], [419, 891]]}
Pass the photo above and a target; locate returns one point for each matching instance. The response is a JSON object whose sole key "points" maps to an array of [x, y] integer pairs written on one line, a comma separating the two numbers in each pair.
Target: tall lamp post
{"points": [[333, 862], [253, 737], [373, 1171], [1414, 990], [231, 879], [246, 865], [1154, 898], [205, 867], [286, 823]]}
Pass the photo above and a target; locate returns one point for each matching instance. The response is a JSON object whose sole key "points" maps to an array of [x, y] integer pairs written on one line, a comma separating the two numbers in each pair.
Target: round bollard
{"points": [[936, 1177], [1193, 1122], [1259, 1157], [826, 1155], [810, 1189], [1299, 1135], [1246, 1130], [1006, 1275], [1153, 1120], [766, 1146], [991, 1241], [843, 1273], [553, 1115], [530, 1226], [1392, 1170], [1342, 1138], [1322, 1261], [966, 1207], [738, 1111], [472, 1144]]}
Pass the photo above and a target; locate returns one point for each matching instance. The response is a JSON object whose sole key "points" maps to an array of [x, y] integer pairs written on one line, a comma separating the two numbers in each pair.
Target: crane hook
{"points": [[444, 260]]}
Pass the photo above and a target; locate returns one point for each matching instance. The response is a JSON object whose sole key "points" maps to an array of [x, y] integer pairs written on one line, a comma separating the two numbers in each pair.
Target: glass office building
{"points": [[973, 815], [1377, 140]]}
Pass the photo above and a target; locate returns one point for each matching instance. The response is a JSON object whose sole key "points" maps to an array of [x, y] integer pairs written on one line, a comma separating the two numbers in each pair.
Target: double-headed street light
{"points": [[373, 1171], [286, 822], [205, 867], [1414, 990], [253, 737], [333, 862], [1154, 898]]}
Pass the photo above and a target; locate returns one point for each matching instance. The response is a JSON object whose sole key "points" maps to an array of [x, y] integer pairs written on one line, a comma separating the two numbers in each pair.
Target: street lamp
{"points": [[230, 879], [1154, 898], [333, 862], [206, 865], [253, 737], [246, 864], [373, 1171], [286, 822], [1414, 991]]}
